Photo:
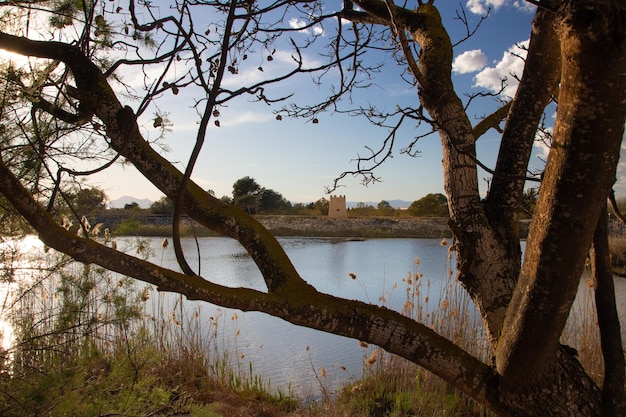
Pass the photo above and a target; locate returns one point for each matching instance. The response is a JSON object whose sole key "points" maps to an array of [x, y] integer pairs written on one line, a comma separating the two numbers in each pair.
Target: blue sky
{"points": [[299, 159]]}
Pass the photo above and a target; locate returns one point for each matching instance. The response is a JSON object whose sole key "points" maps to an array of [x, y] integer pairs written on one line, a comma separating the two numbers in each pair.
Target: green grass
{"points": [[83, 347]]}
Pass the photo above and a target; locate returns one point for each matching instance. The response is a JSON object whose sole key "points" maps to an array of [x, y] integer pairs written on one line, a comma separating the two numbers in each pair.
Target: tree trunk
{"points": [[578, 178], [537, 378], [613, 401], [484, 267], [538, 85]]}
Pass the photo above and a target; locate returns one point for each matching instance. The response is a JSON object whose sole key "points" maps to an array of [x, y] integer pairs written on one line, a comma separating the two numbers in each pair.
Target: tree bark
{"points": [[578, 178], [613, 401], [539, 83], [482, 262]]}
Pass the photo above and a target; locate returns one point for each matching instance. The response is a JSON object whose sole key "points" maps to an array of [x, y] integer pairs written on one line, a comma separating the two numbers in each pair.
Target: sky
{"points": [[299, 159]]}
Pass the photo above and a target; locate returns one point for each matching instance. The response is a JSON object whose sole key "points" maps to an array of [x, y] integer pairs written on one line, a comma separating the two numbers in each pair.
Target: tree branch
{"points": [[209, 106], [539, 82], [492, 121], [579, 175], [302, 306]]}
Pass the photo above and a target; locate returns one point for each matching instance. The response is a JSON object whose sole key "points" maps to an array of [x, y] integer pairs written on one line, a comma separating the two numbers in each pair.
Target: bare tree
{"points": [[577, 54]]}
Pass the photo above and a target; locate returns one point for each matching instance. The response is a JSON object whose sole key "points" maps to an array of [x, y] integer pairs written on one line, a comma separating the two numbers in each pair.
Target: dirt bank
{"points": [[292, 225], [359, 227]]}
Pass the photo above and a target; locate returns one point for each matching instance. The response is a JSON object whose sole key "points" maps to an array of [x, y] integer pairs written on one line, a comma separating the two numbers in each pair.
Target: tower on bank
{"points": [[337, 207]]}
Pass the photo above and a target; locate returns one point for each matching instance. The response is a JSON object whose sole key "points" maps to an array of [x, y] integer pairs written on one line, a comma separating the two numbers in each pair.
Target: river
{"points": [[293, 357], [304, 361]]}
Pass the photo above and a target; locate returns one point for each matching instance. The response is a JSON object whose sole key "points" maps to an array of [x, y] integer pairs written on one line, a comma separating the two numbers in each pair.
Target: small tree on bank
{"points": [[164, 205], [431, 205], [576, 55]]}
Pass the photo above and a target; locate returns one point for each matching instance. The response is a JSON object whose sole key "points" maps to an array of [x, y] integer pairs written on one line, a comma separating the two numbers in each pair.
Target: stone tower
{"points": [[337, 207]]}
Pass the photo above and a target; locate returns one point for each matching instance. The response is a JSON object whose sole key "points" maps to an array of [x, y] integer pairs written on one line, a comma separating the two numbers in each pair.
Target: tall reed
{"points": [[393, 386], [81, 332], [87, 341]]}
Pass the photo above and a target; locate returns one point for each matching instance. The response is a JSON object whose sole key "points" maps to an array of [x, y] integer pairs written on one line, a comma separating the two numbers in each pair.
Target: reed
{"points": [[392, 386], [90, 342]]}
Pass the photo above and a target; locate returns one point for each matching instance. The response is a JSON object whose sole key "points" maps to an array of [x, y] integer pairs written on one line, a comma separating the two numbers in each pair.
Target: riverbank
{"points": [[293, 225], [359, 227]]}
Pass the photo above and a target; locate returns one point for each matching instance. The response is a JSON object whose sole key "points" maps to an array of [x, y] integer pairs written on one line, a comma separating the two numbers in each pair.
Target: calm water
{"points": [[293, 357], [290, 356]]}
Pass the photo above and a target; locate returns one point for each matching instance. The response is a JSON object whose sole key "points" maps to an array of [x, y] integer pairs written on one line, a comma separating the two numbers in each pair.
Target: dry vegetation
{"points": [[85, 344], [618, 251]]}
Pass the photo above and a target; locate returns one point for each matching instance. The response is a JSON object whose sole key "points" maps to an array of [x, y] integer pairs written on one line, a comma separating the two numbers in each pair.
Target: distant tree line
{"points": [[255, 199]]}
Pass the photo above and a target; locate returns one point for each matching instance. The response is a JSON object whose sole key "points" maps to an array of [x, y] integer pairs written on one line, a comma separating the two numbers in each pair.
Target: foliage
{"points": [[248, 202], [321, 206], [431, 205], [86, 347], [362, 209], [132, 206], [128, 227], [385, 209], [254, 199], [130, 362], [245, 186], [273, 202], [87, 201], [317, 208], [162, 206]]}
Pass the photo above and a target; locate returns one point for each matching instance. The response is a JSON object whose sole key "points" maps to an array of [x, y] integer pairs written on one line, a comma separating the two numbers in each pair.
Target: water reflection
{"points": [[291, 356]]}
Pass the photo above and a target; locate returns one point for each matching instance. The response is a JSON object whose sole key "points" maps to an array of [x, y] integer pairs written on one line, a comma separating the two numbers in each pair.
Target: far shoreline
{"points": [[299, 225]]}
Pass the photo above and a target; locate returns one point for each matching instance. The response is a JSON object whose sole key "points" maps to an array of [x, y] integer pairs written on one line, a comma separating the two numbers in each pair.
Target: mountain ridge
{"points": [[146, 203], [122, 201]]}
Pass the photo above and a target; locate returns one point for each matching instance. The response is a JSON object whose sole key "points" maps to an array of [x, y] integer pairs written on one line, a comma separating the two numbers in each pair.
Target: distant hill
{"points": [[122, 201], [145, 203], [393, 203]]}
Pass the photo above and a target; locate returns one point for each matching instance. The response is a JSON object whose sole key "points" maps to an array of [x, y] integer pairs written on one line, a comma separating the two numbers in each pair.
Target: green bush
{"points": [[128, 227]]}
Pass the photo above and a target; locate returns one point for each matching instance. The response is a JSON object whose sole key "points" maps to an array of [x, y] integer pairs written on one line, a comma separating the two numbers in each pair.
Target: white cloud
{"points": [[296, 23], [524, 6], [245, 77], [509, 67], [399, 91], [481, 6], [469, 61], [288, 57]]}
